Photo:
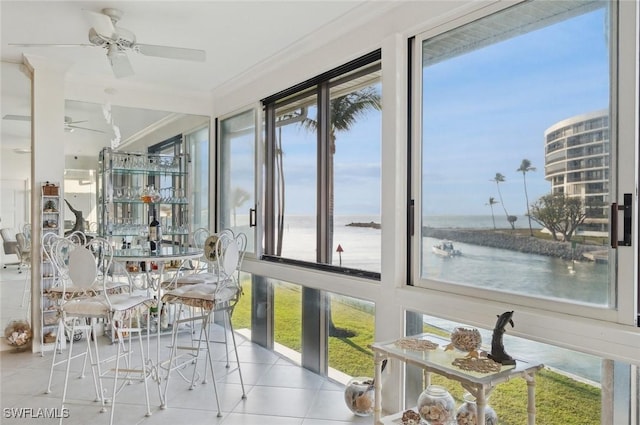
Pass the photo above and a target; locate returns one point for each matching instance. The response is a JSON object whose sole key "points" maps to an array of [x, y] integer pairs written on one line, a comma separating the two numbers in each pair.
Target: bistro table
{"points": [[155, 263], [439, 361]]}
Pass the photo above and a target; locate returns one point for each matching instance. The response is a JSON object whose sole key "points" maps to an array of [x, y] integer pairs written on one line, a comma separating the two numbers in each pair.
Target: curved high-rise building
{"points": [[577, 164]]}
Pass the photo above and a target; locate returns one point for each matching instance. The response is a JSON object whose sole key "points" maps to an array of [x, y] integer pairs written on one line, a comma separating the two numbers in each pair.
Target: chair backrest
{"points": [[8, 241], [200, 236], [229, 255], [23, 248], [23, 244], [80, 263], [82, 267], [231, 249]]}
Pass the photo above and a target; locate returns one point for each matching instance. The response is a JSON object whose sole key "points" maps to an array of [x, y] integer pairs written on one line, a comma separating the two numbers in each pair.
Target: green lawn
{"points": [[560, 400]]}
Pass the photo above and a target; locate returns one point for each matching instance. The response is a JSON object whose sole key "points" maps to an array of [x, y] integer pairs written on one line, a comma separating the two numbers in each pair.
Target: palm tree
{"points": [[525, 167], [511, 219], [345, 112], [491, 203], [500, 178]]}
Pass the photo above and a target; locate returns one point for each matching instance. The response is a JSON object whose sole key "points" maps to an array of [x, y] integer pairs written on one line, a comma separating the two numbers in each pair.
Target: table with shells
{"points": [[433, 354]]}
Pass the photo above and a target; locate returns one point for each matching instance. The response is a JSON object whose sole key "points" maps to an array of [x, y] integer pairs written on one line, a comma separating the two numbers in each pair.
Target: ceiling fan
{"points": [[117, 41], [69, 124]]}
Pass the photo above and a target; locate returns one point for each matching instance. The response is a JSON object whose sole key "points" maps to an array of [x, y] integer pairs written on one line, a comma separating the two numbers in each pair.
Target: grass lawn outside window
{"points": [[560, 399]]}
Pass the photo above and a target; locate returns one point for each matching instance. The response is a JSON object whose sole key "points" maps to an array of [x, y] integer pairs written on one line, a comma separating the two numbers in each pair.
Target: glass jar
{"points": [[467, 414], [359, 396], [436, 406]]}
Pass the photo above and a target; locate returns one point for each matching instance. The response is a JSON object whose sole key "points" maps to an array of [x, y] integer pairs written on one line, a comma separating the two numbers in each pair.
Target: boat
{"points": [[446, 249]]}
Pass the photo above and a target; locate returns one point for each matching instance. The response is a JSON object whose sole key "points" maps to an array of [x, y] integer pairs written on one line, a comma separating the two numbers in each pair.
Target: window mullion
{"points": [[325, 177], [269, 183]]}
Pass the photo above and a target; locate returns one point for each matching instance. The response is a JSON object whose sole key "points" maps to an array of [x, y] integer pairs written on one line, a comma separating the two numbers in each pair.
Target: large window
{"points": [[514, 154], [322, 202], [237, 174]]}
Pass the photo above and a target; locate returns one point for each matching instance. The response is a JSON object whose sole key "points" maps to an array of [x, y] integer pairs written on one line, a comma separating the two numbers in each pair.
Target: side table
{"points": [[439, 361]]}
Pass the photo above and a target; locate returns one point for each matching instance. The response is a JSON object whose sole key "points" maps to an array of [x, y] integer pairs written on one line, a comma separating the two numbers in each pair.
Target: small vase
{"points": [[359, 396], [467, 414], [436, 406]]}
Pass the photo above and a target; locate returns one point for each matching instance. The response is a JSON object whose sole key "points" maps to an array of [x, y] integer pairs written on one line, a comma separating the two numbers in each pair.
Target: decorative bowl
{"points": [[359, 396]]}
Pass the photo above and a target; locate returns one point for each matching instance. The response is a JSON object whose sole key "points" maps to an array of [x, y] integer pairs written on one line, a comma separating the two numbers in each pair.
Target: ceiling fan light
{"points": [[119, 61]]}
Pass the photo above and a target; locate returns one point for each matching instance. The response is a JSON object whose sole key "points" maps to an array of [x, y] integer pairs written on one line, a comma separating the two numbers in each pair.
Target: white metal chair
{"points": [[219, 291], [89, 267], [204, 267], [9, 244], [23, 251], [56, 293], [209, 264]]}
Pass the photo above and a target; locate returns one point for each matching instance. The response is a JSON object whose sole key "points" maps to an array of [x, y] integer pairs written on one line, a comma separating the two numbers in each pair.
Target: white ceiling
{"points": [[237, 36]]}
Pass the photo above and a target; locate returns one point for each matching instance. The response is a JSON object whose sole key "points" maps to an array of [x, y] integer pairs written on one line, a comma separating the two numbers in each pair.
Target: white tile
{"points": [[248, 419], [276, 401], [282, 375], [331, 405]]}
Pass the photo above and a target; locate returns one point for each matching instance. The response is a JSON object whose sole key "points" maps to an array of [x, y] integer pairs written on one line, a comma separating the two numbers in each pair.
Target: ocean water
{"points": [[478, 266], [361, 246]]}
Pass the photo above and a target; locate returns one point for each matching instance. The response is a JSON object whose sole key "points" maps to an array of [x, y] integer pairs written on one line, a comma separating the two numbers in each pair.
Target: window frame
{"points": [[319, 86], [254, 248], [623, 106]]}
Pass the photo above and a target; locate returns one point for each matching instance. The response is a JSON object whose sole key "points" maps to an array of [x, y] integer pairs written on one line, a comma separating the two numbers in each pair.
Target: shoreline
{"points": [[504, 239]]}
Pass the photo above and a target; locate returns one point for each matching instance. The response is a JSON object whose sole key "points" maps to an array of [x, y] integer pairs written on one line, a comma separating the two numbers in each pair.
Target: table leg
{"points": [[481, 402], [531, 398], [377, 387]]}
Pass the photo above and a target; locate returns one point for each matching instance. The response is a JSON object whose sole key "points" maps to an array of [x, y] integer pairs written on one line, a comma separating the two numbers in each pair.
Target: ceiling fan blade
{"points": [[17, 117], [119, 63], [101, 23], [172, 52], [68, 123], [84, 128], [49, 45]]}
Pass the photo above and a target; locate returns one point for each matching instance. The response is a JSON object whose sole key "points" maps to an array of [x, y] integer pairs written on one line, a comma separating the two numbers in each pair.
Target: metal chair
{"points": [[59, 270], [219, 292], [23, 251], [207, 271], [90, 266], [9, 245]]}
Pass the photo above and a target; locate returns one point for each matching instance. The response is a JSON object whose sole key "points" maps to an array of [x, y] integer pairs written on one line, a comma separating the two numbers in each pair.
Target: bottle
{"points": [[164, 319], [155, 233]]}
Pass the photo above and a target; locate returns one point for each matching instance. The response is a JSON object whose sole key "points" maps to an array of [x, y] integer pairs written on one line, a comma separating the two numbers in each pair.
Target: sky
{"points": [[487, 110], [483, 112]]}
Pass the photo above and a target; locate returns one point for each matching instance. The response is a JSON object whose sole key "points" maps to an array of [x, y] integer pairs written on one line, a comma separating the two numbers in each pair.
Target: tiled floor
{"points": [[278, 391]]}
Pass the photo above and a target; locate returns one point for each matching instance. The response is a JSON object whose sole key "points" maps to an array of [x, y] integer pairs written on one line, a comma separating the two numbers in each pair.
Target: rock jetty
{"points": [[371, 224], [506, 240]]}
